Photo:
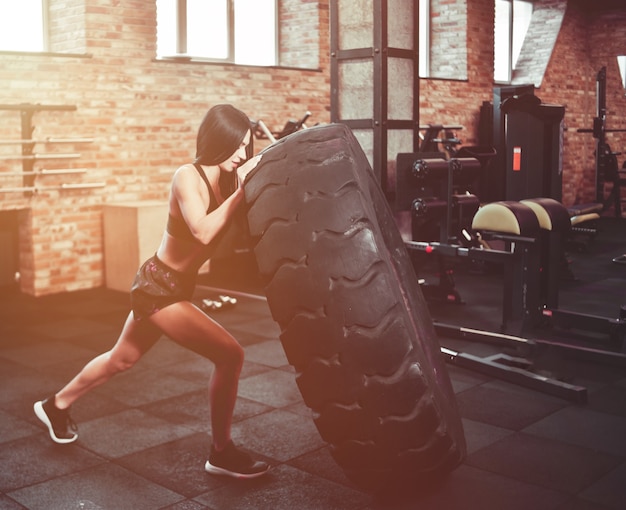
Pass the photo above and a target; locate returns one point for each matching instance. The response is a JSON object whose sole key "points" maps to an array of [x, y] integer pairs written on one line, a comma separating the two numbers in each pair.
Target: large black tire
{"points": [[353, 321]]}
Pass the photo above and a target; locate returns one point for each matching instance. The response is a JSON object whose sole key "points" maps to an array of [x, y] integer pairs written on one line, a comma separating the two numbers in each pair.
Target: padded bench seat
{"points": [[581, 213]]}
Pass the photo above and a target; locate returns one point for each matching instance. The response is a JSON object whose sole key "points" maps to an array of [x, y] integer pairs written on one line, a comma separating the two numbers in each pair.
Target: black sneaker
{"points": [[233, 462], [62, 429]]}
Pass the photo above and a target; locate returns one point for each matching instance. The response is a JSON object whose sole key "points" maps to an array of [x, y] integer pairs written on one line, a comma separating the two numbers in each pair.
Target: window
{"points": [[512, 19], [424, 38], [442, 39], [237, 31], [22, 25]]}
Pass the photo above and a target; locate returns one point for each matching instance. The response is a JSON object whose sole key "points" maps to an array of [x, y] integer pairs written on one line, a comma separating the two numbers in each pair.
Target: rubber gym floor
{"points": [[143, 436]]}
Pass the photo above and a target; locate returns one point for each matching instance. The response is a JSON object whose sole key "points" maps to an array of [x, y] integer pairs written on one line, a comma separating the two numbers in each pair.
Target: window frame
{"points": [[621, 65], [423, 42], [45, 22], [231, 56], [432, 41], [41, 18], [511, 41]]}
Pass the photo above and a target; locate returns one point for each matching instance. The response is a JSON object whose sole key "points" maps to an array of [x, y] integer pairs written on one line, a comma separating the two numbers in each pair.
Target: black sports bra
{"points": [[177, 227]]}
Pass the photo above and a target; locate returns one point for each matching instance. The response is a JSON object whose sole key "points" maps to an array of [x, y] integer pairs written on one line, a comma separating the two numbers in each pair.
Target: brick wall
{"points": [[607, 37], [66, 26], [459, 101], [544, 28], [448, 36], [586, 41], [142, 114], [299, 34]]}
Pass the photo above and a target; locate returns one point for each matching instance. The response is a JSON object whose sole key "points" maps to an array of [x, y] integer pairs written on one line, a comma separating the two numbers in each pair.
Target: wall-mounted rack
{"points": [[46, 140], [28, 157], [44, 171], [61, 187], [36, 157]]}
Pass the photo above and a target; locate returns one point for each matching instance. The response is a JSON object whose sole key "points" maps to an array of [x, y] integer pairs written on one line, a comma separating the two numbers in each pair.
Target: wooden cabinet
{"points": [[132, 234]]}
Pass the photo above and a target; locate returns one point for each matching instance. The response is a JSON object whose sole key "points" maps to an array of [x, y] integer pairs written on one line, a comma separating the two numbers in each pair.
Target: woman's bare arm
{"points": [[204, 227]]}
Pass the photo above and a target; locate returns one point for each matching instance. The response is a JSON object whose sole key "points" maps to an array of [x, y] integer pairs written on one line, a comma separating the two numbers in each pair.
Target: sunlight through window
{"points": [[21, 26], [255, 32], [512, 19], [207, 28], [238, 31]]}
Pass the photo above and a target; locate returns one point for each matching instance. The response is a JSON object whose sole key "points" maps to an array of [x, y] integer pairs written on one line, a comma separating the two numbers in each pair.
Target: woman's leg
{"points": [[190, 327], [136, 339]]}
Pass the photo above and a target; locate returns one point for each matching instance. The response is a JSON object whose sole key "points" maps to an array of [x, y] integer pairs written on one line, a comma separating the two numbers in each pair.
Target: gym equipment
{"points": [[528, 137], [533, 143], [436, 192], [554, 222], [606, 161], [445, 224], [554, 227], [431, 139], [532, 278], [533, 233], [221, 302], [260, 129], [370, 369], [530, 297], [435, 146], [513, 369], [495, 181], [427, 186], [428, 176], [441, 214], [28, 157], [518, 258], [609, 332]]}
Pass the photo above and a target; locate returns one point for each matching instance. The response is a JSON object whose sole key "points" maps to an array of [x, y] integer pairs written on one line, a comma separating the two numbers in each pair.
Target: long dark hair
{"points": [[220, 134]]}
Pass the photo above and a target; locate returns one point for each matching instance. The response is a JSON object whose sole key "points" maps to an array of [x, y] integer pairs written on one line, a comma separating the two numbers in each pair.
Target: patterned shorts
{"points": [[157, 285]]}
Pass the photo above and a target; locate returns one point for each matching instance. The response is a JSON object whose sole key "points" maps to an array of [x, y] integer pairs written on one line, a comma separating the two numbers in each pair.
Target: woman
{"points": [[200, 210]]}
